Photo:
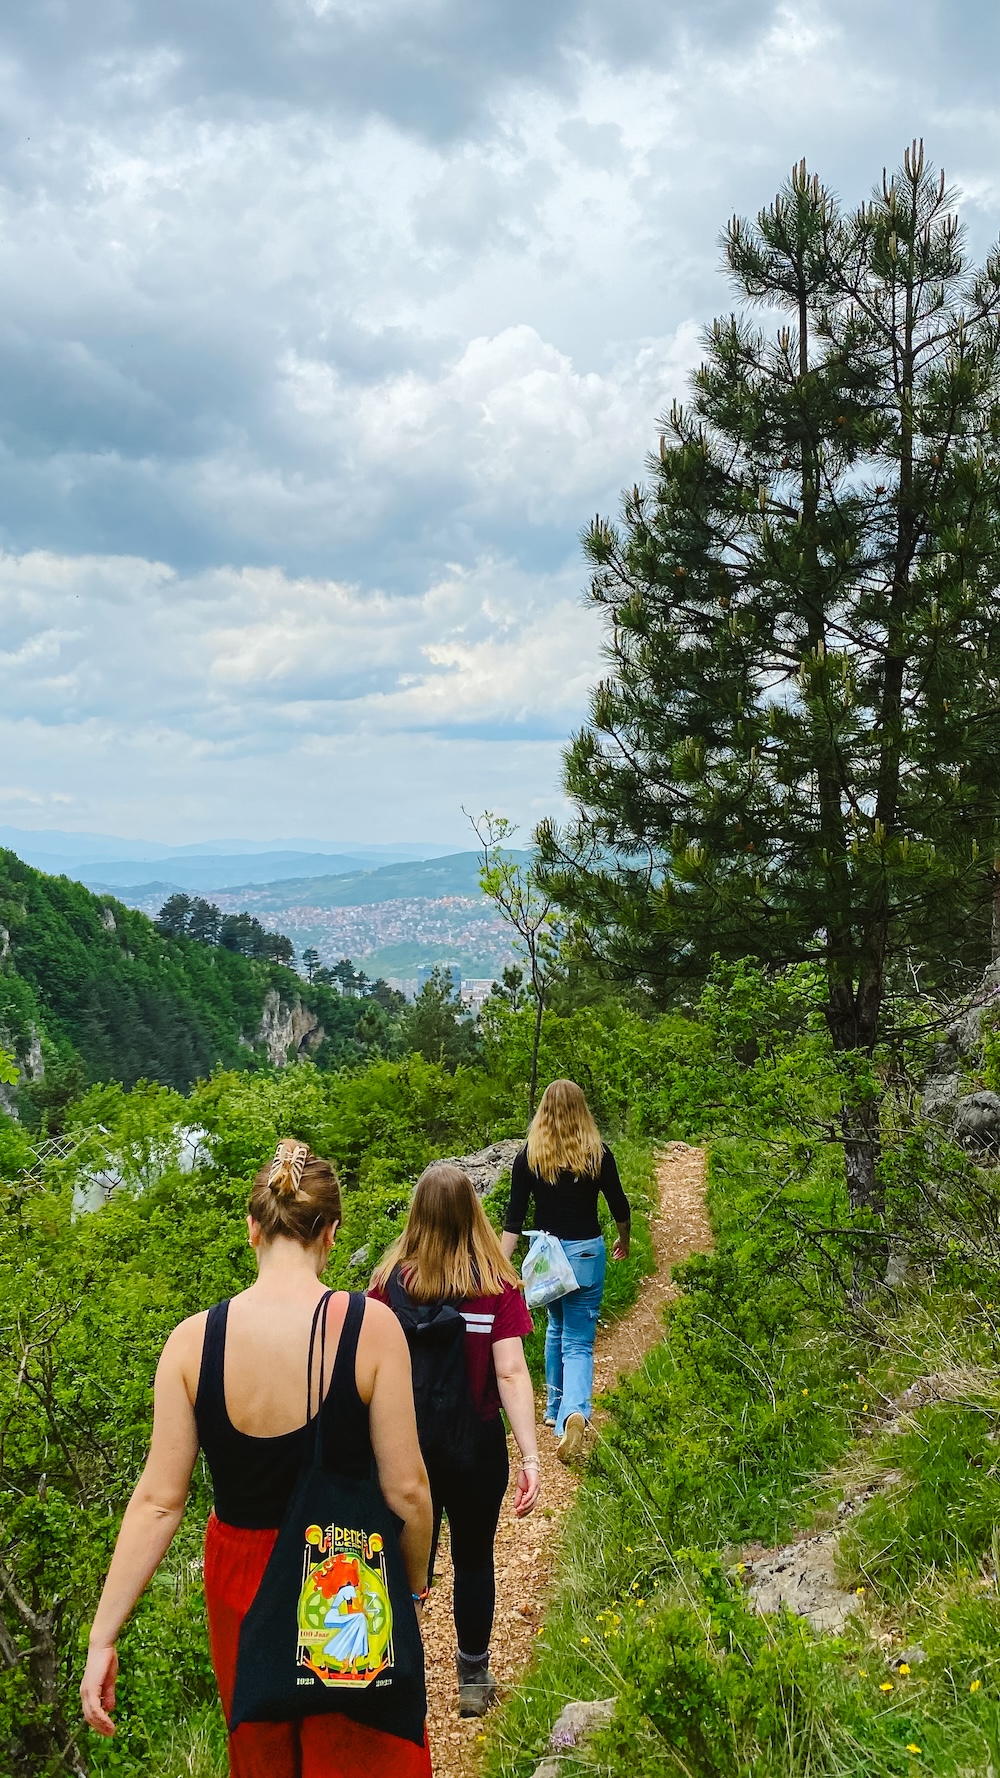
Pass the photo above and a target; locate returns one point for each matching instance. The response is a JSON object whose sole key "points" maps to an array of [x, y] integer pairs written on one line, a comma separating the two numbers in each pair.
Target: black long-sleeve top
{"points": [[567, 1208]]}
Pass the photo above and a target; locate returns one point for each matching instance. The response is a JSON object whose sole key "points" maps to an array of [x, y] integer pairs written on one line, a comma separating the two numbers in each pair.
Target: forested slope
{"points": [[90, 991]]}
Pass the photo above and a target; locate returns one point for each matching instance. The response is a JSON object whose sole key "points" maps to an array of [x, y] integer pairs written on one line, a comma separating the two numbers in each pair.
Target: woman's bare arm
{"points": [[383, 1352], [151, 1519], [518, 1398]]}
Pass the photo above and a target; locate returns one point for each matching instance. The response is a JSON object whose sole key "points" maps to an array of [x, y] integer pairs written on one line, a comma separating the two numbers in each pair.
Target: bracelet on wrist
{"points": [[418, 1598], [530, 1463]]}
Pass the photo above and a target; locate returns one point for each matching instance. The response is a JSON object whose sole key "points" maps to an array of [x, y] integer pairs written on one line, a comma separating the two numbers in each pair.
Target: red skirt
{"points": [[316, 1746]]}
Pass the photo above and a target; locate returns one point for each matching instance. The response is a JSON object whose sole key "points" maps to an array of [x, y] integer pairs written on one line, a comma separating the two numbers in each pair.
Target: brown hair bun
{"points": [[297, 1194]]}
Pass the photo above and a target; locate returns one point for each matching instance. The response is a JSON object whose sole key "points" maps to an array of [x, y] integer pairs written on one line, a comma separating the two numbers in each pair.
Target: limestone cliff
{"points": [[30, 1063], [289, 1031]]}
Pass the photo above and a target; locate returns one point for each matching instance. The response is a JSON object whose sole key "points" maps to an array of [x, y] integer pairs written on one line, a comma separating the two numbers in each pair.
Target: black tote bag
{"points": [[332, 1628]]}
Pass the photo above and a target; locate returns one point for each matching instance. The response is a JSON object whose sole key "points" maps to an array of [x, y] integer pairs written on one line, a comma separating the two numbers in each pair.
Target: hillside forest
{"points": [[768, 928]]}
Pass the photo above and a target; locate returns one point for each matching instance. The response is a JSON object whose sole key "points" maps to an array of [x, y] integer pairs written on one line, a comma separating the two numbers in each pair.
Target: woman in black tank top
{"points": [[232, 1382]]}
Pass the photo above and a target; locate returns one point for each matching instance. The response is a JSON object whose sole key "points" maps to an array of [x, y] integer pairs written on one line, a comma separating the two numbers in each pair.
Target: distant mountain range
{"points": [[121, 864], [205, 874], [429, 879]]}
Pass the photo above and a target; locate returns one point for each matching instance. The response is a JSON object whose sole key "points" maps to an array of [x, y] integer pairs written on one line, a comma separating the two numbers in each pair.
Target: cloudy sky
{"points": [[326, 325]]}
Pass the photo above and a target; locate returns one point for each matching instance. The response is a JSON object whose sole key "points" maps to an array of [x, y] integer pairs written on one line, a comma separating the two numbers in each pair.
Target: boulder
{"points": [[487, 1164], [976, 1121], [573, 1726], [944, 1095]]}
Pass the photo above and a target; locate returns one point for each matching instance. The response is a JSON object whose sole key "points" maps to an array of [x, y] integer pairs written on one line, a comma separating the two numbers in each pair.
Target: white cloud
{"points": [[342, 294], [235, 690], [510, 419]]}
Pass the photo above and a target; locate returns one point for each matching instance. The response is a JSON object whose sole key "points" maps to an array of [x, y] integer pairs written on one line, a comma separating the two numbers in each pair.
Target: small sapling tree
{"points": [[528, 905]]}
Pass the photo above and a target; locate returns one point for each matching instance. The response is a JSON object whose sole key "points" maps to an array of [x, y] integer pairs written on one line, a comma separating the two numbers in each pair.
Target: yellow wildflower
{"points": [[974, 1687], [862, 1672], [861, 1591], [903, 1667], [886, 1685], [741, 1567], [805, 1392], [911, 1747], [864, 1407], [585, 1640]]}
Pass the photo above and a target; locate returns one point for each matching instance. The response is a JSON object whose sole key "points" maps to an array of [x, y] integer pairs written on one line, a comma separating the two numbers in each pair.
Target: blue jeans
{"points": [[569, 1340]]}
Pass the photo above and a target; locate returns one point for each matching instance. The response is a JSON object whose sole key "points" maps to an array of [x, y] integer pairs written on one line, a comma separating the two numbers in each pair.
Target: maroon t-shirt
{"points": [[487, 1319]]}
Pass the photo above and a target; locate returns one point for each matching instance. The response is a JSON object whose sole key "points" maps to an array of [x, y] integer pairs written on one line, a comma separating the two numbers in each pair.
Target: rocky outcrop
{"points": [[30, 1064], [977, 1122], [487, 1165], [972, 1117], [289, 1032]]}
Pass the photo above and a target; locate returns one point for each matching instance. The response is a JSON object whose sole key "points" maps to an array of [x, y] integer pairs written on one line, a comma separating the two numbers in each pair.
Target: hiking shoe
{"points": [[571, 1443], [477, 1689]]}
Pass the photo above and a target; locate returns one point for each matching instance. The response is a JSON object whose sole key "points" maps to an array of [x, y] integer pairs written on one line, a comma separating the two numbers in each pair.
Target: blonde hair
{"points": [[296, 1195], [447, 1248], [563, 1137]]}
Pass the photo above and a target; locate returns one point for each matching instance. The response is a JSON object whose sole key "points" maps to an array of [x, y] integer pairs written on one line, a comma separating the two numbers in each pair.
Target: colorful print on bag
{"points": [[344, 1615]]}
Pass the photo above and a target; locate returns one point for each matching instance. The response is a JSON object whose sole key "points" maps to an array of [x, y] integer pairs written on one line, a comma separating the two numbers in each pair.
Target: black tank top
{"points": [[252, 1477]]}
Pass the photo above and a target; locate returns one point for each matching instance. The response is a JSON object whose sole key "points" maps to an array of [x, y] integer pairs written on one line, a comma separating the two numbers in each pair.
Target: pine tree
{"points": [[204, 921], [172, 919], [795, 753]]}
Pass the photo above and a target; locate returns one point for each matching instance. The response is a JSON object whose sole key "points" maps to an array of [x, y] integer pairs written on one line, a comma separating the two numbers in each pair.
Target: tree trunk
{"points": [[536, 1044], [853, 1014], [860, 1124], [46, 1744], [995, 946]]}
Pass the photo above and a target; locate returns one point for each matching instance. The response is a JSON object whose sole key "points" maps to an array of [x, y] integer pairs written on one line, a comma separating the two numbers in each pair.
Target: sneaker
{"points": [[549, 1420], [571, 1443], [477, 1689]]}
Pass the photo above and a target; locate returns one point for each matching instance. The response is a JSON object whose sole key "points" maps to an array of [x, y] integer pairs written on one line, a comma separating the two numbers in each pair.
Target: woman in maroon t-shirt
{"points": [[448, 1253]]}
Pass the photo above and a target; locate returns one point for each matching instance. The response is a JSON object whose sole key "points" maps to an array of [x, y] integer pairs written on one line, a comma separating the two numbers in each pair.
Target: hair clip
{"points": [[285, 1172]]}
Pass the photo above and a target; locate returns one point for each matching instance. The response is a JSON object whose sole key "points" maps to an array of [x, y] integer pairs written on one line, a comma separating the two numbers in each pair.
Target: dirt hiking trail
{"points": [[526, 1551]]}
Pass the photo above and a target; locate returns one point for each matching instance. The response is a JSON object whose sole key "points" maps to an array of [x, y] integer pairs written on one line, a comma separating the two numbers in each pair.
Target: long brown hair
{"points": [[447, 1248], [563, 1137], [296, 1195]]}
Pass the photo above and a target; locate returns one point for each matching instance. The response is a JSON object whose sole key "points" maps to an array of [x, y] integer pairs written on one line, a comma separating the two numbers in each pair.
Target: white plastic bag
{"points": [[546, 1270]]}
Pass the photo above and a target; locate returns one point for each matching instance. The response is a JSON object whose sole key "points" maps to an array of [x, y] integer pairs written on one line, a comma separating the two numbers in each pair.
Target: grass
{"points": [[196, 1750], [759, 1407]]}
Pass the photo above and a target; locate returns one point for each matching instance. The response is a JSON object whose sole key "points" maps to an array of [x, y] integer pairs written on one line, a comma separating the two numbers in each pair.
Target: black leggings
{"points": [[472, 1499]]}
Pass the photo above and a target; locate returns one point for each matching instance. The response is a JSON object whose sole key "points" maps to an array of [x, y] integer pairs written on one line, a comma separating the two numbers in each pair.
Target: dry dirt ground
{"points": [[526, 1550]]}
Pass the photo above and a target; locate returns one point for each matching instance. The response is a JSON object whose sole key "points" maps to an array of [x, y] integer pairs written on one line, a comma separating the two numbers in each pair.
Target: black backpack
{"points": [[447, 1422]]}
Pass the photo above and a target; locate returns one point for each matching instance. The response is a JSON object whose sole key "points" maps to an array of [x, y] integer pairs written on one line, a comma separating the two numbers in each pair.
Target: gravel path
{"points": [[526, 1551]]}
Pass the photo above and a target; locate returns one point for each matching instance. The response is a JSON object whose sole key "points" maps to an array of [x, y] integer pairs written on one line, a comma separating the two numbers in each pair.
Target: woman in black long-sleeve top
{"points": [[565, 1168]]}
